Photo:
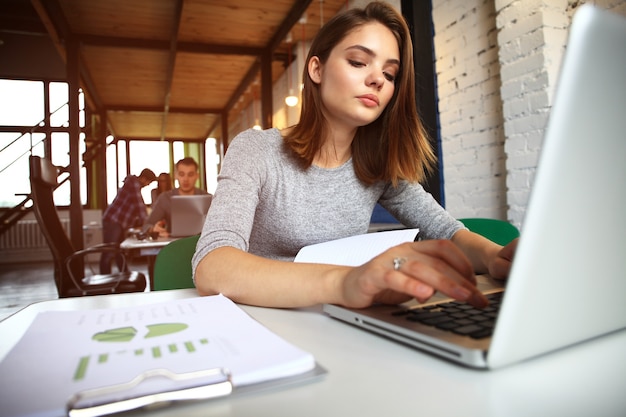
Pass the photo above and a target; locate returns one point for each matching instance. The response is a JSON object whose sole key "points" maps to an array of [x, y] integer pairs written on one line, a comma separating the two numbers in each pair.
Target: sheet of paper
{"points": [[64, 352], [355, 250]]}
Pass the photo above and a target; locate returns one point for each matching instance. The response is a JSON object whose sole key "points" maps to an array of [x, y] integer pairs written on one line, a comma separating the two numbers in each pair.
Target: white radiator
{"points": [[26, 235]]}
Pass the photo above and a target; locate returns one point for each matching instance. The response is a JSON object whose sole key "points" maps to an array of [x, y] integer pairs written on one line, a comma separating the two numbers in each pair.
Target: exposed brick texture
{"points": [[497, 64]]}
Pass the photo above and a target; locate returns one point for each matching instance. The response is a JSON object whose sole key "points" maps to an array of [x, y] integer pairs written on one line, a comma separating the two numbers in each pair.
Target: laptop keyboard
{"points": [[458, 317]]}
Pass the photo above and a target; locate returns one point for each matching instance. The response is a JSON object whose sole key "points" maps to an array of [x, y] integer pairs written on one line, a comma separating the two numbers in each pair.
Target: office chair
{"points": [[172, 267], [70, 276], [499, 231]]}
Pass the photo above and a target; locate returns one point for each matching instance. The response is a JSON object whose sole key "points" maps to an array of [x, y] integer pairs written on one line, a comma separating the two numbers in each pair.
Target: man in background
{"points": [[186, 174], [127, 210]]}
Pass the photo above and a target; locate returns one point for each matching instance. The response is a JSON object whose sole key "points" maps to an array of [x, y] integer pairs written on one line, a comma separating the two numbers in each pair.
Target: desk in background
{"points": [[371, 376], [145, 247]]}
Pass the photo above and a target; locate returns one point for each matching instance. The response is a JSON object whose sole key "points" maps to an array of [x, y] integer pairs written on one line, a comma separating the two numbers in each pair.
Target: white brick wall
{"points": [[470, 107], [497, 67]]}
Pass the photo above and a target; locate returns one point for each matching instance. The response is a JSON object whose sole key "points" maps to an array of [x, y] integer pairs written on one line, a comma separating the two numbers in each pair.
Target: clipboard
{"points": [[119, 359], [139, 393], [192, 386]]}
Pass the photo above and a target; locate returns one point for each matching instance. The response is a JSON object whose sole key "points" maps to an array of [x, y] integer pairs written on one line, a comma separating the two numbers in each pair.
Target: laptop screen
{"points": [[189, 213]]}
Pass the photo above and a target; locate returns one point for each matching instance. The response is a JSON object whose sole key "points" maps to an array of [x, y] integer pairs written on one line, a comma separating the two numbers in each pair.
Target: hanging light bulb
{"points": [[291, 100]]}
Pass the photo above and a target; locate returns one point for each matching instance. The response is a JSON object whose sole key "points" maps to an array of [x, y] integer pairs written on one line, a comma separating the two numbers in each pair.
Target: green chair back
{"points": [[172, 267], [499, 231]]}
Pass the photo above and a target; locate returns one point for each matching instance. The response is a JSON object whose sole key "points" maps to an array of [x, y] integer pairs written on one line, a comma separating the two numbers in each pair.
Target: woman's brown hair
{"points": [[393, 147]]}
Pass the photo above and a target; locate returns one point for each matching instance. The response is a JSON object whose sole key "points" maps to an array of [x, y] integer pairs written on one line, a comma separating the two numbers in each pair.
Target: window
{"points": [[22, 111]]}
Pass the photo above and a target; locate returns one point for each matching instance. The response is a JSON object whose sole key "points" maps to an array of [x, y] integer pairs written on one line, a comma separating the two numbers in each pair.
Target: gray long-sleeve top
{"points": [[268, 205]]}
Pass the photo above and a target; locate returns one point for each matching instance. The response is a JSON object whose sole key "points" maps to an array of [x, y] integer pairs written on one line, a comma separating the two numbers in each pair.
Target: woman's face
{"points": [[357, 80]]}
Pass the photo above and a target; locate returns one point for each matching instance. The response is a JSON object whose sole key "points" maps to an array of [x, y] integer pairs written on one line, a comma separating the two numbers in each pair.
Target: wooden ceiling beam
{"points": [[58, 28], [118, 42], [217, 49], [218, 121], [170, 65], [91, 94], [191, 47], [158, 109], [247, 80], [292, 18], [296, 12], [243, 85], [16, 22], [53, 19]]}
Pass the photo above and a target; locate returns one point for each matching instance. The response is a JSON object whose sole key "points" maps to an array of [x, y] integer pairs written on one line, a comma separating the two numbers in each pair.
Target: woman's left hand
{"points": [[500, 266]]}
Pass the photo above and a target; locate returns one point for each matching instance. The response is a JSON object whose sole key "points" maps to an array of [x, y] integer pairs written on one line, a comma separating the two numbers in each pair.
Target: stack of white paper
{"points": [[65, 352], [355, 250]]}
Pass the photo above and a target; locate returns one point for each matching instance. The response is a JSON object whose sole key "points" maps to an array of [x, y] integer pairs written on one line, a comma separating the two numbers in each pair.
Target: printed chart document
{"points": [[67, 352], [355, 250]]}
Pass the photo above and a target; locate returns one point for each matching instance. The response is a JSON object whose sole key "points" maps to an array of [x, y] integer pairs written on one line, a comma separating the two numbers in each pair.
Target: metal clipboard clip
{"points": [[154, 387]]}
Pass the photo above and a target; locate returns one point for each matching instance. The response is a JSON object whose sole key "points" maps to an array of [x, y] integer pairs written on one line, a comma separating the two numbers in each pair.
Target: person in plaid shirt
{"points": [[127, 210]]}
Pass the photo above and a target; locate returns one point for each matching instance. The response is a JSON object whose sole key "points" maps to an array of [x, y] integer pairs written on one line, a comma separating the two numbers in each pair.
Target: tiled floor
{"points": [[24, 283]]}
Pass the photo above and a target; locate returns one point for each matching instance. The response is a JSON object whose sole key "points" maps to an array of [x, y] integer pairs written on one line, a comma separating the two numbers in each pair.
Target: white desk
{"points": [[145, 246], [370, 376]]}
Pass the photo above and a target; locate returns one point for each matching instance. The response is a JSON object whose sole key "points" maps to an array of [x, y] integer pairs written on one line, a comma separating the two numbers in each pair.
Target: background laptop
{"points": [[189, 213], [568, 281]]}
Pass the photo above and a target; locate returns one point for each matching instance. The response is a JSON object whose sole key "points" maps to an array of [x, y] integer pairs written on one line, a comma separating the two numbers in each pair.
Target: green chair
{"points": [[172, 267], [499, 231]]}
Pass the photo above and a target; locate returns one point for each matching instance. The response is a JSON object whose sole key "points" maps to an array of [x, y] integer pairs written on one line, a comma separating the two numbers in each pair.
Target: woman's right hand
{"points": [[424, 268], [160, 227]]}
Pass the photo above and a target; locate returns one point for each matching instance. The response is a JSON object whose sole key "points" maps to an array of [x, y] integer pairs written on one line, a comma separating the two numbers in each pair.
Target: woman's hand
{"points": [[422, 269], [161, 229], [404, 272], [500, 265]]}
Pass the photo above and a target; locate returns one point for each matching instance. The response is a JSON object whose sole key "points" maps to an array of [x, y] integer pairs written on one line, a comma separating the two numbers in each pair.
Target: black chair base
{"points": [[124, 282]]}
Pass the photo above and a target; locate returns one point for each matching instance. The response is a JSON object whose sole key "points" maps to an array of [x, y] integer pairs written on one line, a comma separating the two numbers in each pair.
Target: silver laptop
{"points": [[568, 280], [188, 214]]}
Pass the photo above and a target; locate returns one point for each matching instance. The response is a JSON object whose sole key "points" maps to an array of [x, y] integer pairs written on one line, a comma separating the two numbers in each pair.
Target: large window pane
{"points": [[58, 104], [61, 157], [60, 149], [115, 154], [21, 103], [111, 176], [179, 151], [14, 165], [212, 161]]}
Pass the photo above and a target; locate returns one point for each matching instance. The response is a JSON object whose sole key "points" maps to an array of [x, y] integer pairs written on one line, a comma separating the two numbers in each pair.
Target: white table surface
{"points": [[132, 243], [371, 376]]}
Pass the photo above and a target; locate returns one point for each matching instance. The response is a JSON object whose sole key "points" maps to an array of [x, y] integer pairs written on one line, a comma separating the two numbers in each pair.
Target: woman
{"points": [[359, 141], [164, 183]]}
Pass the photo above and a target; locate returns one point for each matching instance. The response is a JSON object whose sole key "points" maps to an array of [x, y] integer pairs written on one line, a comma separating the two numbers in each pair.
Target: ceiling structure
{"points": [[173, 69]]}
